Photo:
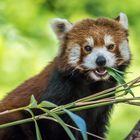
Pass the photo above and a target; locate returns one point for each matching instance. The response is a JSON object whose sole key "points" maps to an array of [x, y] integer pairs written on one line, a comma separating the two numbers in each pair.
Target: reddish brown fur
{"points": [[21, 95], [97, 29], [38, 84], [34, 86]]}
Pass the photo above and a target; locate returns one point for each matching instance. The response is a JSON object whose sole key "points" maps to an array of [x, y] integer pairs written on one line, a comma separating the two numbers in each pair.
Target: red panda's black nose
{"points": [[100, 61]]}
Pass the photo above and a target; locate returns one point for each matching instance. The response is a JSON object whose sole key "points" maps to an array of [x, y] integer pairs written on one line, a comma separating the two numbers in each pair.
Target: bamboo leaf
{"points": [[33, 102], [119, 78], [30, 111], [61, 122], [38, 134], [79, 122], [47, 104], [118, 71]]}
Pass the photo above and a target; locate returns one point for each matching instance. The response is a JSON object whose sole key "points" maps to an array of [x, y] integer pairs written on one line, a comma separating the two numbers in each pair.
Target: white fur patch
{"points": [[74, 55], [124, 50], [90, 60], [108, 39], [123, 20], [90, 41], [93, 76]]}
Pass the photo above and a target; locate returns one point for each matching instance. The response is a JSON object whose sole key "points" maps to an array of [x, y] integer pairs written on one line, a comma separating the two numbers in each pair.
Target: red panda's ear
{"points": [[60, 27], [123, 20]]}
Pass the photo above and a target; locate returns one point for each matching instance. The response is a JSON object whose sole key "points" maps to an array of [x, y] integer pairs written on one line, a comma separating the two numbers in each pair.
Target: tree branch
{"points": [[135, 133]]}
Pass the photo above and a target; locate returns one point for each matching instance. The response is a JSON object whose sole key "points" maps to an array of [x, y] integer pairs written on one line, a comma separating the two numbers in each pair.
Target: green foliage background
{"points": [[27, 43]]}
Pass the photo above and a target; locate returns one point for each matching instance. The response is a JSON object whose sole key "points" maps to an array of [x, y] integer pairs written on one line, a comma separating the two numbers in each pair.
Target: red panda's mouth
{"points": [[101, 72]]}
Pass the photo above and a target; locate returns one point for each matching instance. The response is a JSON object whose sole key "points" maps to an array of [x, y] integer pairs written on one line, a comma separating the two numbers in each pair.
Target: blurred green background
{"points": [[27, 43]]}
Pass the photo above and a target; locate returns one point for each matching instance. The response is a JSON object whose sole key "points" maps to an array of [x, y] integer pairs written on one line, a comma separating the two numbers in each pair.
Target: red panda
{"points": [[87, 49]]}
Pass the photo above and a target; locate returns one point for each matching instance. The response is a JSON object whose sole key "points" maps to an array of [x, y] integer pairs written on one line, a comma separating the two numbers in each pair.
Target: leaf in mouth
{"points": [[118, 76]]}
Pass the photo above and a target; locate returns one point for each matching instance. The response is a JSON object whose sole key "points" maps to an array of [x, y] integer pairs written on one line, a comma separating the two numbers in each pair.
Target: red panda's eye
{"points": [[88, 48], [111, 47]]}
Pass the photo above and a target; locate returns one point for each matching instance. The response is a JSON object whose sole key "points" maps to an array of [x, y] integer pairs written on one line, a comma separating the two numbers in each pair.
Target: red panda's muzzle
{"points": [[100, 72]]}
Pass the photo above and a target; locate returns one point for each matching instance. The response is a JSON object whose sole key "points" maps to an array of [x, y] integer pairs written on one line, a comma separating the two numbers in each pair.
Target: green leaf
{"points": [[38, 134], [115, 76], [61, 122], [33, 102], [47, 104], [114, 73], [30, 111], [118, 71], [79, 122]]}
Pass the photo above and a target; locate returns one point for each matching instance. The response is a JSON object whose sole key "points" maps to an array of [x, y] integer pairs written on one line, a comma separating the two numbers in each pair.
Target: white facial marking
{"points": [[93, 76], [90, 41], [74, 55], [124, 50], [123, 20], [108, 39], [90, 60]]}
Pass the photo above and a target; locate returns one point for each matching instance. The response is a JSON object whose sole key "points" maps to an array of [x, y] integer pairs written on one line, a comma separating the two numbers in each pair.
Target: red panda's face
{"points": [[94, 45]]}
